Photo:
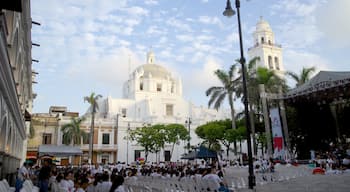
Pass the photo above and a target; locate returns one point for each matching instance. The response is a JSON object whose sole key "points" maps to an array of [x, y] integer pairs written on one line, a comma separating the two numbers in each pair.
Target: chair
{"points": [[7, 186]]}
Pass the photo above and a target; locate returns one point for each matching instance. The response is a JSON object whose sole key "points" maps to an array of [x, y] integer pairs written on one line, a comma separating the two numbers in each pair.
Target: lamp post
{"points": [[230, 12], [127, 144], [188, 122], [115, 137]]}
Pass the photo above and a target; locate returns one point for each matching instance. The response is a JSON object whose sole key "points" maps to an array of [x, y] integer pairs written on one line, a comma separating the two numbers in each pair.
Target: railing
{"points": [[265, 43], [101, 147]]}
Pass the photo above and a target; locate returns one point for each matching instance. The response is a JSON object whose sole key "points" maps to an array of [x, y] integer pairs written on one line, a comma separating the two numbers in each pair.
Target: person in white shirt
{"points": [[117, 185], [67, 183], [105, 185], [213, 177]]}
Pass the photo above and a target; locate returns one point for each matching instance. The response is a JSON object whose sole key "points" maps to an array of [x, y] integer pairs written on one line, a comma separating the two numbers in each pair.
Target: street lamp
{"points": [[127, 144], [228, 13], [115, 137], [188, 122]]}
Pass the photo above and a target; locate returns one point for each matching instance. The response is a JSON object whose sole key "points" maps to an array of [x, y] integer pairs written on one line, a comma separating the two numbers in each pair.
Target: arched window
{"points": [[270, 62], [277, 65], [262, 40], [270, 42], [141, 86]]}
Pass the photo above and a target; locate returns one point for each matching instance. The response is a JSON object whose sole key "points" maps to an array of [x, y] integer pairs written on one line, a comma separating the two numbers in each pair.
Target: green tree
{"points": [[92, 100], [151, 138], [212, 133], [175, 133], [72, 133], [227, 90], [303, 77]]}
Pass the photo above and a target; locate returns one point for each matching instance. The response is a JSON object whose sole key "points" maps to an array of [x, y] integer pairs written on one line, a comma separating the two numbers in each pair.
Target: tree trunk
{"points": [[227, 150], [266, 120], [91, 141], [252, 126], [172, 150], [233, 118]]}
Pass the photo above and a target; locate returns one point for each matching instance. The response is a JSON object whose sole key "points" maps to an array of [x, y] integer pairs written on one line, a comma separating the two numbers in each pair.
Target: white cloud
{"points": [[184, 38], [202, 78], [296, 60], [295, 7], [211, 20], [178, 24], [333, 20], [155, 30], [151, 2]]}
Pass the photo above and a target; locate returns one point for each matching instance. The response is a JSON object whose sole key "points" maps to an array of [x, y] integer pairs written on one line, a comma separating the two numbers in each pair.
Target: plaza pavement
{"points": [[309, 183]]}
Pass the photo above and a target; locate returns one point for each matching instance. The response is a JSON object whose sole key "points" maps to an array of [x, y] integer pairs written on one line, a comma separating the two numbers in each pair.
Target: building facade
{"points": [[16, 94], [46, 130], [151, 95], [265, 47]]}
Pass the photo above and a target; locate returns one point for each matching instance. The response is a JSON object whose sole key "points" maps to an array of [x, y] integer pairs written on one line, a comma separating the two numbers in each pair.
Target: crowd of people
{"points": [[104, 178]]}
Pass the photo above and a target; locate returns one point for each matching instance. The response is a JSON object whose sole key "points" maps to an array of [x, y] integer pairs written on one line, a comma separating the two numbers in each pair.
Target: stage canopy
{"points": [[318, 112], [323, 81], [59, 150], [202, 153]]}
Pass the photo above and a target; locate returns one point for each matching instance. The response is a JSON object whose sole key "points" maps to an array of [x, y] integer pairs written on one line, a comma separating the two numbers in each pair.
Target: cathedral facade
{"points": [[151, 95]]}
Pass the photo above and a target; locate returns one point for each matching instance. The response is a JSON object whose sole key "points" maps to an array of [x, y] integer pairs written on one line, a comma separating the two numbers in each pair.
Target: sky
{"points": [[92, 45]]}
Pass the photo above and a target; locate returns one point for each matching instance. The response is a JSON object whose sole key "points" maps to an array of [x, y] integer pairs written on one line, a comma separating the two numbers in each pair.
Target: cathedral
{"points": [[151, 95]]}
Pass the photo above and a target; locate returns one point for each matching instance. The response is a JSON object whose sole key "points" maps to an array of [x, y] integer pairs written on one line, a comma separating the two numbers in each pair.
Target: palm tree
{"points": [[255, 77], [92, 99], [303, 77], [72, 133], [218, 93]]}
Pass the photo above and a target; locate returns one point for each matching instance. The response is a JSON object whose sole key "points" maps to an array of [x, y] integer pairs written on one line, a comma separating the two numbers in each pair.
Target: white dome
{"points": [[154, 71], [263, 25]]}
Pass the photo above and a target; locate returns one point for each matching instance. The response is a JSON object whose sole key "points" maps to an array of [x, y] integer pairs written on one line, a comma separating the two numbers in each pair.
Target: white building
{"points": [[266, 49], [151, 95]]}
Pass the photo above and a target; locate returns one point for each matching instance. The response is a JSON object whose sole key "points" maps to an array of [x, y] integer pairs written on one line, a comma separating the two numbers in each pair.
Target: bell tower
{"points": [[266, 49]]}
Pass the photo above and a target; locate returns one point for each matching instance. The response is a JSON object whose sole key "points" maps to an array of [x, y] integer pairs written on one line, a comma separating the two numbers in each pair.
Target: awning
{"points": [[202, 153], [59, 150]]}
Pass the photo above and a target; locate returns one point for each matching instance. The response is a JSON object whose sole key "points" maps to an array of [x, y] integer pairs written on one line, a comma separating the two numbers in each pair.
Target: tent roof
{"points": [[202, 153], [322, 81], [59, 150]]}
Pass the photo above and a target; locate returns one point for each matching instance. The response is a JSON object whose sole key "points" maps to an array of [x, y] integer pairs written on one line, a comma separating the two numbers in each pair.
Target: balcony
{"points": [[265, 44], [100, 147]]}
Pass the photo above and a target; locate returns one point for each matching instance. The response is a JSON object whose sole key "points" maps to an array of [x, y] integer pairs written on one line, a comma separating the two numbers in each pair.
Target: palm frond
{"points": [[219, 101]]}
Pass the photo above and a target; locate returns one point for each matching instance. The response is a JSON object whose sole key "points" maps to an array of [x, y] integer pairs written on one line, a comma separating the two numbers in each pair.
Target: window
{"points": [[137, 155], [47, 138], [86, 140], [124, 112], [141, 86], [105, 158], [105, 138], [159, 87], [262, 40], [166, 155], [169, 110], [270, 42], [172, 88], [277, 63], [270, 62]]}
